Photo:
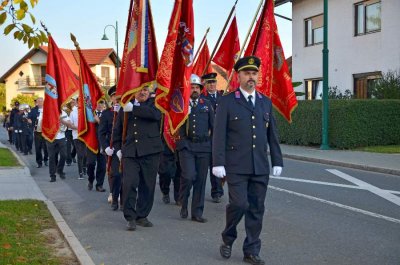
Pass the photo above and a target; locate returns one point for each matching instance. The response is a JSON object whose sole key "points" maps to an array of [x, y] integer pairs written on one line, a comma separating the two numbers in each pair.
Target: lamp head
{"points": [[104, 37]]}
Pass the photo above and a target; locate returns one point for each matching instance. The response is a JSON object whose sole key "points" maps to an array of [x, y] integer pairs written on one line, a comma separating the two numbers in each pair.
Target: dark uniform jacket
{"points": [[195, 133], [214, 100], [105, 128], [143, 131], [243, 134]]}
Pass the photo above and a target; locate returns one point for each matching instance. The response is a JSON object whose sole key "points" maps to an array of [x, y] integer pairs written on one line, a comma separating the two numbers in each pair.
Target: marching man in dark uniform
{"points": [[140, 155], [213, 95], [244, 128], [105, 135], [194, 149]]}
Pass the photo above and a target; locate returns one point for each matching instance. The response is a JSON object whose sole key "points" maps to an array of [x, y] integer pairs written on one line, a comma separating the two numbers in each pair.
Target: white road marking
{"points": [[327, 183], [390, 219], [366, 186]]}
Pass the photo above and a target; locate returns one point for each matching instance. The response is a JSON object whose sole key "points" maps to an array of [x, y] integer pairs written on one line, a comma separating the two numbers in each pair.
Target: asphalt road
{"points": [[316, 214]]}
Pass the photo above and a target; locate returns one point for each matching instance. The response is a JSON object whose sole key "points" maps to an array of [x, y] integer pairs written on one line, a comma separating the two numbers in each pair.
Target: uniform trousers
{"points": [[115, 177], [139, 174], [40, 144], [194, 169], [168, 172], [96, 167], [216, 184], [81, 155], [58, 146], [246, 197]]}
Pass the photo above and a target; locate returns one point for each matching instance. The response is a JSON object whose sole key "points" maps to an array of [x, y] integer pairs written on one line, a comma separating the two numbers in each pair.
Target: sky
{"points": [[86, 19]]}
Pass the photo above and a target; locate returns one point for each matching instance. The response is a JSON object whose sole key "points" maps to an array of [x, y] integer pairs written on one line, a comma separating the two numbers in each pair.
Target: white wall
{"points": [[348, 54]]}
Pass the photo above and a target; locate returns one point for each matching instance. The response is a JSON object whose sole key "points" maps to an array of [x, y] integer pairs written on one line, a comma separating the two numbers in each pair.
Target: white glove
{"points": [[128, 107], [276, 171], [219, 172], [109, 151], [119, 154]]}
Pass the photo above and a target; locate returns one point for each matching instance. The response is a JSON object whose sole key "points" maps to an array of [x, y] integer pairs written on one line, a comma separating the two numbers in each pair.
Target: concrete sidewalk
{"points": [[381, 163], [16, 183]]}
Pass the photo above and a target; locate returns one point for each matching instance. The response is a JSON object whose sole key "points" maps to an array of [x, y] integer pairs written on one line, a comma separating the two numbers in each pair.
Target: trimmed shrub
{"points": [[352, 123]]}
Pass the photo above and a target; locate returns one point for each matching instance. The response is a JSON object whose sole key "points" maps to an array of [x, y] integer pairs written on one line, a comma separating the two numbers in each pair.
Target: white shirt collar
{"points": [[246, 94]]}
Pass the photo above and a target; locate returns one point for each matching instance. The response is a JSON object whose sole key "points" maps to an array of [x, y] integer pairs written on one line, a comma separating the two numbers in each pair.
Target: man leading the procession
{"points": [[105, 136], [213, 95], [194, 149], [244, 128], [140, 156]]}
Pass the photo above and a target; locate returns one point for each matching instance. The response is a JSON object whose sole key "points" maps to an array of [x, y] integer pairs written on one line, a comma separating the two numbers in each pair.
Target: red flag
{"points": [[176, 65], [168, 137], [202, 60], [140, 58], [228, 53], [61, 84], [89, 95], [274, 78]]}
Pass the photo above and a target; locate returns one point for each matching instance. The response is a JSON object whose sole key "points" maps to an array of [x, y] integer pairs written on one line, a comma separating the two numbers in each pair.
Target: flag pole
{"points": [[201, 44], [220, 36], [246, 39]]}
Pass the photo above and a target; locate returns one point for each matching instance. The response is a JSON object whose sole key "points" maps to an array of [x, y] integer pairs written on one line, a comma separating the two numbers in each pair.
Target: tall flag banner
{"points": [[228, 53], [274, 78], [168, 137], [201, 62], [89, 95], [173, 76], [61, 84], [140, 58]]}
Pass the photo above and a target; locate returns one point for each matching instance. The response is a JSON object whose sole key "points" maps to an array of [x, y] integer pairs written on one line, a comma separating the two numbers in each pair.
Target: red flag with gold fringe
{"points": [[140, 58], [61, 84], [274, 78], [89, 95], [173, 76]]}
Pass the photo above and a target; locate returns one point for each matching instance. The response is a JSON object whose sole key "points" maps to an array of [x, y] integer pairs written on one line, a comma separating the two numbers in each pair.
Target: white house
{"points": [[363, 43]]}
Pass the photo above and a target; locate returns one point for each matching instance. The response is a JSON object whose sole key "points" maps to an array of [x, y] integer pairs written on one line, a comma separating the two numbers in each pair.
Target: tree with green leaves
{"points": [[24, 99], [387, 87], [13, 15], [3, 97]]}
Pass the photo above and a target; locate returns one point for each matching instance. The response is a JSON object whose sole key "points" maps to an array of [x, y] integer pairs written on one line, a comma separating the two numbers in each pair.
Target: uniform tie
{"points": [[250, 102], [194, 103]]}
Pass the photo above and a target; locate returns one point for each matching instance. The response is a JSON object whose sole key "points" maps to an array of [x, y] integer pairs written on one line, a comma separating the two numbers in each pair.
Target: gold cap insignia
{"points": [[251, 61]]}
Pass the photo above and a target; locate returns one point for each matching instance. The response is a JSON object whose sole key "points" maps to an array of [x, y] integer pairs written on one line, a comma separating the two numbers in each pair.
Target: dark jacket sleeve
{"points": [[219, 136], [147, 111], [211, 118], [117, 131], [273, 142], [103, 130]]}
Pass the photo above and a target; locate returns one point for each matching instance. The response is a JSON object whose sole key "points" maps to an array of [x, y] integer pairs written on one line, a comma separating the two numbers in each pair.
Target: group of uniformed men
{"points": [[227, 136]]}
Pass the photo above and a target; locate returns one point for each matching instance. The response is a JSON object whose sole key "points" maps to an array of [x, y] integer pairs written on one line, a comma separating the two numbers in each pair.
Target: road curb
{"points": [[344, 164], [77, 248]]}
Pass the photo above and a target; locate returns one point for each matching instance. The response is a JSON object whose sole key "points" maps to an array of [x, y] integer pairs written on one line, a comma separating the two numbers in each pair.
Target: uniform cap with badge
{"points": [[209, 78], [251, 63]]}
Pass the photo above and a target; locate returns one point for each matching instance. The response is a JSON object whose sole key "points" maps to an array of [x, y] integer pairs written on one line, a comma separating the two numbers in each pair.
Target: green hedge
{"points": [[352, 123]]}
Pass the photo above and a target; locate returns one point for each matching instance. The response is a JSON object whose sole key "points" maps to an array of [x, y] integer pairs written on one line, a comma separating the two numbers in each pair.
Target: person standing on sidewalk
{"points": [[194, 150], [140, 156], [36, 117], [244, 128]]}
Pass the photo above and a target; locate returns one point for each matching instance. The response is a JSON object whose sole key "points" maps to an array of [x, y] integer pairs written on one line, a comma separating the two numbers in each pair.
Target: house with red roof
{"points": [[27, 75]]}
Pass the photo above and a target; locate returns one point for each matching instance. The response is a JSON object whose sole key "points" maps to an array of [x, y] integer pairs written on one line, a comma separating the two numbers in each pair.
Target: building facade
{"points": [[27, 76], [363, 43]]}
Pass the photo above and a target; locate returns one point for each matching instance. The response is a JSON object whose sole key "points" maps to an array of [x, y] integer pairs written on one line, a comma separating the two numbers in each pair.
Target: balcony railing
{"points": [[31, 82], [106, 82]]}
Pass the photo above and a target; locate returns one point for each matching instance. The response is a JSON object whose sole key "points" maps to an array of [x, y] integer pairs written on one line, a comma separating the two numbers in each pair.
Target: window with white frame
{"points": [[313, 88], [367, 17], [314, 30]]}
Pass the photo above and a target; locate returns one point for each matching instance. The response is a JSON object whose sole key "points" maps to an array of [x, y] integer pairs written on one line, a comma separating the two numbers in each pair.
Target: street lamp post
{"points": [[116, 42], [325, 66]]}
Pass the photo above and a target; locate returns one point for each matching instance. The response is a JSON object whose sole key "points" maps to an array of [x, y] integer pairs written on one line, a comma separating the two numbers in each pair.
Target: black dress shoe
{"points": [[74, 160], [144, 222], [225, 251], [39, 166], [184, 213], [166, 199], [114, 206], [216, 199], [100, 189], [199, 219], [46, 163], [62, 175], [52, 178], [90, 186], [131, 226], [253, 259]]}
